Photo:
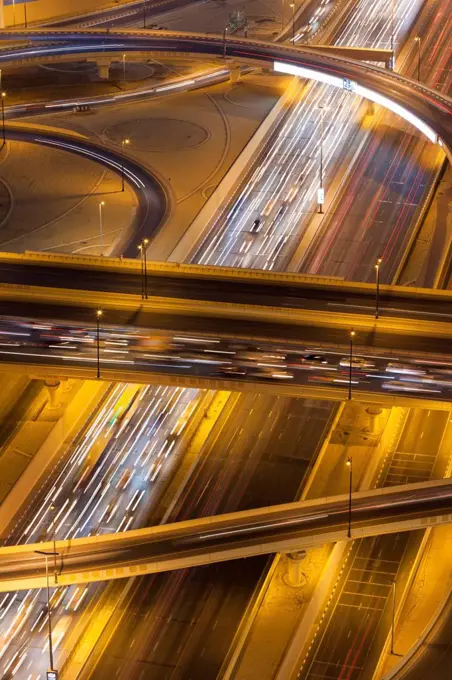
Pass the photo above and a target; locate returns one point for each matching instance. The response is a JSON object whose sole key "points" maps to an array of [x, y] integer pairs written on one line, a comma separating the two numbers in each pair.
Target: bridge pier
{"points": [[235, 74], [295, 575], [373, 412], [52, 385], [103, 66]]}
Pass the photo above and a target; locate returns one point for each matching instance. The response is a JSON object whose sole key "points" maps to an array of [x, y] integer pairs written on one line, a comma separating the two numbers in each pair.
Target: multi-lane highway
{"points": [[385, 193], [403, 366], [281, 189], [260, 456], [108, 482]]}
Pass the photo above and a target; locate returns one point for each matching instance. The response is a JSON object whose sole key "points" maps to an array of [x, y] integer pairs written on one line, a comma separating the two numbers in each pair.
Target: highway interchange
{"points": [[163, 411]]}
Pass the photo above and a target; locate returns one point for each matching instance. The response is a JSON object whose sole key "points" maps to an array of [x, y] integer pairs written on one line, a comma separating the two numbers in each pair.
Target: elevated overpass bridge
{"points": [[423, 107], [218, 325], [282, 528]]}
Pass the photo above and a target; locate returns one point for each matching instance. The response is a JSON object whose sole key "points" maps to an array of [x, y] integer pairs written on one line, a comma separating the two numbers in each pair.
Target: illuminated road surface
{"points": [[390, 369], [185, 620], [357, 619], [282, 189], [106, 485], [268, 256]]}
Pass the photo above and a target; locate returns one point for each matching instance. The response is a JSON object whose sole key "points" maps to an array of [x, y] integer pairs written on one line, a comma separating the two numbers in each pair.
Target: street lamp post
{"points": [[25, 14], [292, 6], [98, 315], [350, 363], [377, 281], [49, 611], [101, 205], [124, 143], [14, 13], [124, 67], [418, 40], [225, 30], [350, 488], [144, 13], [144, 268]]}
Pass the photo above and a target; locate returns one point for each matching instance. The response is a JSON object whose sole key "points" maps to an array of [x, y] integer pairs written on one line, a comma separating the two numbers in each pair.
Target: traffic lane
{"points": [[221, 477], [241, 363], [357, 607], [424, 431], [402, 167], [355, 628], [374, 340], [165, 631], [258, 365], [149, 190], [392, 176], [186, 83], [199, 610], [391, 303], [117, 420], [417, 451], [185, 542], [314, 376], [287, 451]]}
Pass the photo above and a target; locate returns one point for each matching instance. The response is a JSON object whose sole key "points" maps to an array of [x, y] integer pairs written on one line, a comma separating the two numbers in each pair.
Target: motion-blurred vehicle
{"points": [[407, 369], [257, 225], [357, 362], [405, 386], [233, 371]]}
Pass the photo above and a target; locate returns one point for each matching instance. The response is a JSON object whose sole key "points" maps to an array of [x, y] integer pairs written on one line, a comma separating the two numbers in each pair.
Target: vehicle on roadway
{"points": [[356, 362], [257, 225]]}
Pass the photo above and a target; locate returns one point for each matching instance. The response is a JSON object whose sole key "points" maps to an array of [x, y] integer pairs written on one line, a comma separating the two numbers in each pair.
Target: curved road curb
{"points": [[150, 192]]}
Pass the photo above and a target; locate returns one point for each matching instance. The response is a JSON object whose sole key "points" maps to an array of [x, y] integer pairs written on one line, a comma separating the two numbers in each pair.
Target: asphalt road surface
{"points": [[187, 619], [351, 636]]}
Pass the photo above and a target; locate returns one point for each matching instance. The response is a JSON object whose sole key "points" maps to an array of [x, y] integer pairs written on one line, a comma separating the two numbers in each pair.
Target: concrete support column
{"points": [[52, 385], [370, 108], [235, 74], [2, 14], [103, 66], [295, 574], [373, 412]]}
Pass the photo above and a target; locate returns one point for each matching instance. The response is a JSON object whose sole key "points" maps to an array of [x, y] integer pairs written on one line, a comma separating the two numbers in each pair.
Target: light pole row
{"points": [[144, 268]]}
